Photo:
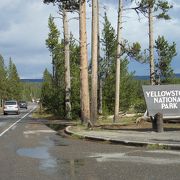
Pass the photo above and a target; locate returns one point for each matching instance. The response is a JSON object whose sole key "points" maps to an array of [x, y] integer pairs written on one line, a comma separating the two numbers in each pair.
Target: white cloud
{"points": [[23, 39], [135, 30], [24, 28], [8, 4]]}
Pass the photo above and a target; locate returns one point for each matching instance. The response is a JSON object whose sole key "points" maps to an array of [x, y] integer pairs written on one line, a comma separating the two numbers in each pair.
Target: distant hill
{"points": [[141, 77], [147, 77], [136, 77], [32, 80], [177, 75]]}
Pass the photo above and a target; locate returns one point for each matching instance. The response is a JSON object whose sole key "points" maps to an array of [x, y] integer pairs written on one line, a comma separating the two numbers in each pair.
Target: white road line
{"points": [[17, 122]]}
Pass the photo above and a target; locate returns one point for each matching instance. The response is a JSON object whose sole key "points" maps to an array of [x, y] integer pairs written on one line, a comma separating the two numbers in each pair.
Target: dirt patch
{"points": [[144, 126], [127, 126]]}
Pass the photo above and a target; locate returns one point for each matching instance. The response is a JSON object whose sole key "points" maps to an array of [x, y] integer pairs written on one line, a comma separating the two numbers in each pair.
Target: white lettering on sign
{"points": [[162, 93], [169, 106], [168, 99]]}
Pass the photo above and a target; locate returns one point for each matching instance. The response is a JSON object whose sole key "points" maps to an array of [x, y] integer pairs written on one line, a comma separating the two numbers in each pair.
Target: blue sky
{"points": [[24, 28]]}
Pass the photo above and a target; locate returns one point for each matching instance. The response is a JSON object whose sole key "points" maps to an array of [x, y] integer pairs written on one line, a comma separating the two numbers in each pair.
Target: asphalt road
{"points": [[30, 150]]}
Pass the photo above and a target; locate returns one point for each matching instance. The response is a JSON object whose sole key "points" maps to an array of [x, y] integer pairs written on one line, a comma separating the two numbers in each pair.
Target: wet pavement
{"points": [[32, 151]]}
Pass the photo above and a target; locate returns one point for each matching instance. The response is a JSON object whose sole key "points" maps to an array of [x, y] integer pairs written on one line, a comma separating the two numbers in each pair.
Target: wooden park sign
{"points": [[164, 99]]}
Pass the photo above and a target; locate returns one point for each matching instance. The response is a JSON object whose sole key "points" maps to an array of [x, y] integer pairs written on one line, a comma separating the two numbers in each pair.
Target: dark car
{"points": [[23, 104]]}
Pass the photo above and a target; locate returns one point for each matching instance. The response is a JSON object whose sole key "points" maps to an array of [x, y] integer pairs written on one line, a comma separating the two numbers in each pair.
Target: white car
{"points": [[11, 107]]}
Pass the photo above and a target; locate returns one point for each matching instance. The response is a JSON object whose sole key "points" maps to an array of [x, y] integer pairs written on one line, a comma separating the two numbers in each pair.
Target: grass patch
{"points": [[76, 136], [122, 120], [157, 147], [172, 125], [41, 115]]}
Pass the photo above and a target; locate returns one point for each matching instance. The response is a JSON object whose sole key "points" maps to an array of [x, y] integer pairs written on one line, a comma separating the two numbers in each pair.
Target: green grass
{"points": [[157, 147], [41, 114], [122, 120], [172, 125]]}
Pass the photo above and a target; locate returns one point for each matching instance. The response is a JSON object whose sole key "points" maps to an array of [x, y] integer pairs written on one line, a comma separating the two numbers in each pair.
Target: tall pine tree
{"points": [[151, 9], [107, 70], [3, 80], [14, 84], [52, 43], [165, 52]]}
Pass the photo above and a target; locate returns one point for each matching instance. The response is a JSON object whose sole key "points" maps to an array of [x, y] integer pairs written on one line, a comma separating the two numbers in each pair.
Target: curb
{"points": [[122, 142]]}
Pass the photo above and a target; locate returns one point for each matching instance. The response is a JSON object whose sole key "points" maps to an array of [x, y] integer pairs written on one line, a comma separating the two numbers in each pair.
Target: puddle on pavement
{"points": [[123, 157], [37, 152], [47, 162], [2, 124], [50, 164]]}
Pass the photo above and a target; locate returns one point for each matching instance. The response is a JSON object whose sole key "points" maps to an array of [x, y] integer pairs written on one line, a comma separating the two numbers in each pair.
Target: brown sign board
{"points": [[162, 98]]}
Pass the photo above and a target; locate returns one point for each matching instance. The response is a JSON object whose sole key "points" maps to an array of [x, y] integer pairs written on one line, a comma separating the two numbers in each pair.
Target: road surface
{"points": [[29, 150]]}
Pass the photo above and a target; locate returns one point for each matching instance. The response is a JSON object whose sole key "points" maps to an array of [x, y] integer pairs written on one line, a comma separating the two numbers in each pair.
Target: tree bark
{"points": [[119, 39], [100, 95], [85, 109], [94, 77], [99, 75], [151, 47], [53, 66], [67, 66]]}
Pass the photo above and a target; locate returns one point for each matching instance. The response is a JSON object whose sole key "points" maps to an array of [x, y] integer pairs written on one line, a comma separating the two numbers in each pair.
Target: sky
{"points": [[24, 29]]}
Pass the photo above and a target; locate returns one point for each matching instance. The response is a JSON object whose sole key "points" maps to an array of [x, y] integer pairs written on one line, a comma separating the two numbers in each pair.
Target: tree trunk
{"points": [[99, 75], [100, 94], [67, 66], [151, 47], [85, 109], [119, 39], [94, 76], [53, 66]]}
